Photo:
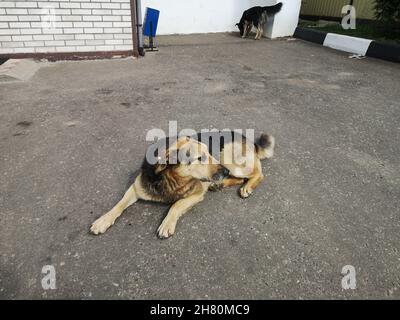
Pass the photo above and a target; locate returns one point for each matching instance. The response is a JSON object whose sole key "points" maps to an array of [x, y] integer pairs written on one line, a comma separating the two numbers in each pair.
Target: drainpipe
{"points": [[139, 27], [133, 25]]}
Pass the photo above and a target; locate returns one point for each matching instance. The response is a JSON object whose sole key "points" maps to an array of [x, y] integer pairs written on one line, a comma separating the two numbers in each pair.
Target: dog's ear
{"points": [[237, 25]]}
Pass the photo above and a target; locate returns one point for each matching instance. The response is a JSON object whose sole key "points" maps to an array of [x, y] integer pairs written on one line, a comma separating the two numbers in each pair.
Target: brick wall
{"points": [[50, 26]]}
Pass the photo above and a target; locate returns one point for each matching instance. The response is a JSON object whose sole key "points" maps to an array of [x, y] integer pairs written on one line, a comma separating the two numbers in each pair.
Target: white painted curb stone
{"points": [[18, 70], [346, 43]]}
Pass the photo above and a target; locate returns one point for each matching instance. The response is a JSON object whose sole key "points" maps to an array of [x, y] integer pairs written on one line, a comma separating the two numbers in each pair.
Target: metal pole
{"points": [[151, 36], [134, 34], [139, 25]]}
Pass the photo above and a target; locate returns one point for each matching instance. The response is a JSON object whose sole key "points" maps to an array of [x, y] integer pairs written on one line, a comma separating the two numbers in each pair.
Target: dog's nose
{"points": [[221, 174], [225, 172]]}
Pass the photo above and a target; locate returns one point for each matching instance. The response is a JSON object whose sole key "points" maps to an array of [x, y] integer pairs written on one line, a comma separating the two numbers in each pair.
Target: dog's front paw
{"points": [[245, 191], [166, 229], [101, 225], [215, 187]]}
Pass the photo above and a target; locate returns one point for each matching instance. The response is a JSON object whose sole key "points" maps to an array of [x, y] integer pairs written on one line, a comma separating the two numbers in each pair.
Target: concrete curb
{"points": [[364, 47], [18, 70]]}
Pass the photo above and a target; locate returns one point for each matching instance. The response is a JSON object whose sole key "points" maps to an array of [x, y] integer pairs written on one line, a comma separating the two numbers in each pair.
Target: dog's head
{"points": [[240, 25], [189, 158]]}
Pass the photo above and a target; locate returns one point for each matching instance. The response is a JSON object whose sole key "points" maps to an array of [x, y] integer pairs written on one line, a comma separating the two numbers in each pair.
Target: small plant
{"points": [[388, 11]]}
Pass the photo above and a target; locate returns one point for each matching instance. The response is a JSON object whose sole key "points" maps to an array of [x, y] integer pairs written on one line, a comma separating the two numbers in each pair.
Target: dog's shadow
{"points": [[237, 35], [233, 34]]}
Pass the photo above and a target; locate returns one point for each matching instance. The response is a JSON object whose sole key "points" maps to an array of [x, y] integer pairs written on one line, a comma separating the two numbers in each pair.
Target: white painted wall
{"points": [[206, 16], [77, 26], [285, 22]]}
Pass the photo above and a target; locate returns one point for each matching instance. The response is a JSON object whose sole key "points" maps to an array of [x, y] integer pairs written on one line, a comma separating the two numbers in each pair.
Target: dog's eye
{"points": [[199, 159], [194, 160]]}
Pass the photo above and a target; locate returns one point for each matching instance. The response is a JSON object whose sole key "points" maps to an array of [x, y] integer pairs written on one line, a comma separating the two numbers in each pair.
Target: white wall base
{"points": [[207, 16], [285, 22]]}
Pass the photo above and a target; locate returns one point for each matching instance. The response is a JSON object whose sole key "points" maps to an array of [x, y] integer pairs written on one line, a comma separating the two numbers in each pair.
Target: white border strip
{"points": [[346, 43]]}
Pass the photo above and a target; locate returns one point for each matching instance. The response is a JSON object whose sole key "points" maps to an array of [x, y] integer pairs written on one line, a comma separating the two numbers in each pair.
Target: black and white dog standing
{"points": [[257, 17]]}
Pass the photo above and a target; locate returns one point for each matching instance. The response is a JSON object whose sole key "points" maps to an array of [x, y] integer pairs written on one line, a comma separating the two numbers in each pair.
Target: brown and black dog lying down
{"points": [[184, 183]]}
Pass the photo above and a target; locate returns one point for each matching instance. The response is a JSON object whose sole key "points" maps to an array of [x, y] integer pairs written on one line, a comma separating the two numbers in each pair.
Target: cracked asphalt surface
{"points": [[72, 137]]}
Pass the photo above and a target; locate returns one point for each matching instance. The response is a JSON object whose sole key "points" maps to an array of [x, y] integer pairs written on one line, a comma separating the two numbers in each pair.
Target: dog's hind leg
{"points": [[232, 181], [257, 33], [254, 180], [261, 32], [261, 25], [108, 219], [226, 183]]}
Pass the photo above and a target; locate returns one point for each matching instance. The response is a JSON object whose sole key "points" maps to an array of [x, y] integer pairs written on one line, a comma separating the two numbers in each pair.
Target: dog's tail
{"points": [[265, 146], [271, 10]]}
